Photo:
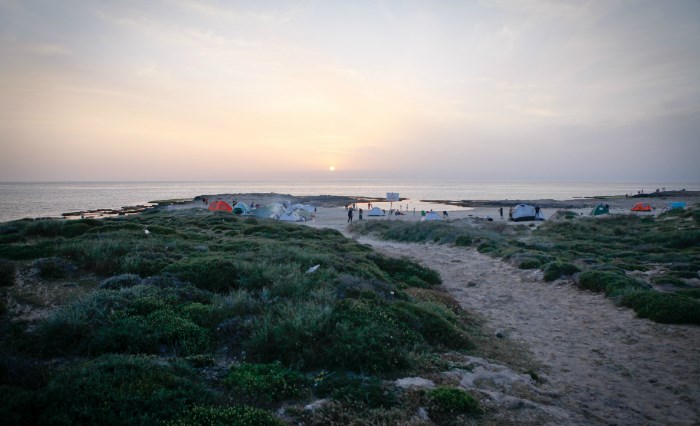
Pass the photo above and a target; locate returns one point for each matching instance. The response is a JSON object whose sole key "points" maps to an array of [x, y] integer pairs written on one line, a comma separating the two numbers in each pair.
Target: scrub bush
{"points": [[555, 270], [265, 382], [225, 416], [355, 389], [213, 273], [123, 390], [7, 273], [407, 271], [611, 283], [664, 307], [447, 402], [141, 319]]}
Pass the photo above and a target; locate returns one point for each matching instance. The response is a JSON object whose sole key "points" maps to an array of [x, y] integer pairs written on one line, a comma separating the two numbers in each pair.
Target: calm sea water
{"points": [[41, 199]]}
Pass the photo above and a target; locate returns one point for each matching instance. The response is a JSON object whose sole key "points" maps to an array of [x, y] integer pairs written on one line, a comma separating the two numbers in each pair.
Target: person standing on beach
{"points": [[500, 211], [349, 215], [360, 212]]}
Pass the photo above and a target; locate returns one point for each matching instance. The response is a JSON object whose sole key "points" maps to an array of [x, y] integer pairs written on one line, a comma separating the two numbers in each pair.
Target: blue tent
{"points": [[676, 205]]}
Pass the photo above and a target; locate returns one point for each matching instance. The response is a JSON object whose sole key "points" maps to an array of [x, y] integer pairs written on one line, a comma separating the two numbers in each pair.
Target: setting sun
{"points": [[331, 168]]}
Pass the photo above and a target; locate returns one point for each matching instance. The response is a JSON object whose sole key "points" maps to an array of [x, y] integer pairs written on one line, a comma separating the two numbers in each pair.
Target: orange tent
{"points": [[641, 207], [220, 206]]}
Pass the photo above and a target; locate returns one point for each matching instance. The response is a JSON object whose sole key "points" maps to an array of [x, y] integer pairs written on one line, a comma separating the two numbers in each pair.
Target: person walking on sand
{"points": [[500, 211], [349, 215], [360, 212]]}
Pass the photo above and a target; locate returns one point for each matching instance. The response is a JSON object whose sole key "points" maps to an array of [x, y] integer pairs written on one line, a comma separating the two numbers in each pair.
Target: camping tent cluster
{"points": [[284, 211], [523, 212]]}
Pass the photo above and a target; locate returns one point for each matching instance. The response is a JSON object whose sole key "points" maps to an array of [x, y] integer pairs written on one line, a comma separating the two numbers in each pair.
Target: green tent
{"points": [[600, 209]]}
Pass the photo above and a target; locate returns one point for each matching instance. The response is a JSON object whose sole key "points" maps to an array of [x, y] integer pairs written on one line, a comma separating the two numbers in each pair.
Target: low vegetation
{"points": [[645, 263], [199, 318]]}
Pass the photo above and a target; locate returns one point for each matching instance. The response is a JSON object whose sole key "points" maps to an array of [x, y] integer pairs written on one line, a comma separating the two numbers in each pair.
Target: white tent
{"points": [[302, 213], [291, 217], [310, 209], [270, 211], [376, 211], [431, 216], [523, 212]]}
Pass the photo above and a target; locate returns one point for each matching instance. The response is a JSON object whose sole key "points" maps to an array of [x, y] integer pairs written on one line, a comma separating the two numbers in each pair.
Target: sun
{"points": [[331, 168]]}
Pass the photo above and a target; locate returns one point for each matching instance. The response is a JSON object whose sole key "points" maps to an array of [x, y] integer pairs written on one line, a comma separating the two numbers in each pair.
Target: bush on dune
{"points": [[138, 319], [671, 308], [610, 283], [265, 382], [123, 390]]}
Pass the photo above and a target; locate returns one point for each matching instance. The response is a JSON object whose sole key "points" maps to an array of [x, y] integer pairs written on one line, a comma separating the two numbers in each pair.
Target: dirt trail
{"points": [[602, 364]]}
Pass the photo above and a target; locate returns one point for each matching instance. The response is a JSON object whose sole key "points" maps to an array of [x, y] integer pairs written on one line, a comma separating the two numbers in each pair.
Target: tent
{"points": [[523, 212], [431, 216], [676, 205], [303, 213], [376, 211], [309, 209], [220, 206], [641, 207], [270, 211], [241, 208], [600, 209], [291, 217]]}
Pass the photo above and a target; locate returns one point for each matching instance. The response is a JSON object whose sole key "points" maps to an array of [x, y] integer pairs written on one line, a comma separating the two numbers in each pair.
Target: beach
{"points": [[555, 354]]}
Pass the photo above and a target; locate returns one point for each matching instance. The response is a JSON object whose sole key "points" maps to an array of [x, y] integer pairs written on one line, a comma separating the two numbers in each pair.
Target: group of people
{"points": [[350, 214]]}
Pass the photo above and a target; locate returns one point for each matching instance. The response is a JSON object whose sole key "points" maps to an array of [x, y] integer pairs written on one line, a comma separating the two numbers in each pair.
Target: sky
{"points": [[581, 90]]}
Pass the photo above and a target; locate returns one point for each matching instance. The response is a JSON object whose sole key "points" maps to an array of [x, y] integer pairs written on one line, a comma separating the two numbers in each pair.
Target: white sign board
{"points": [[392, 196]]}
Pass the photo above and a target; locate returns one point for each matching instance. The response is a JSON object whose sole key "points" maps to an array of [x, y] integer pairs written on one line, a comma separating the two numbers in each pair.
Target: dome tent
{"points": [[641, 207], [241, 208], [376, 211], [430, 216], [523, 212], [600, 209], [220, 206]]}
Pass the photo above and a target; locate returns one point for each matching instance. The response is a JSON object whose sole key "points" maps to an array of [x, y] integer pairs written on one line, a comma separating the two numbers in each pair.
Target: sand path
{"points": [[602, 365]]}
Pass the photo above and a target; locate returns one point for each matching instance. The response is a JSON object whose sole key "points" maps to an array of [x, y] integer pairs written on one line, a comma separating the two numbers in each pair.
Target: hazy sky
{"points": [[481, 89]]}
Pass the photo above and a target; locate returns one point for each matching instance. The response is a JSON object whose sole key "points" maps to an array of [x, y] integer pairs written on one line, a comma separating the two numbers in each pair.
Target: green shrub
{"points": [[690, 292], [463, 241], [530, 264], [18, 406], [28, 251], [140, 319], [444, 402], [213, 273], [54, 268], [668, 280], [436, 324], [7, 273], [225, 416], [406, 271], [555, 270], [671, 308], [123, 390], [366, 336], [290, 333], [265, 382], [611, 283], [355, 389]]}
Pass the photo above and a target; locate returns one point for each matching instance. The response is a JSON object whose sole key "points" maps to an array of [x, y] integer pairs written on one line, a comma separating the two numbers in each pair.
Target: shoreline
{"points": [[618, 203]]}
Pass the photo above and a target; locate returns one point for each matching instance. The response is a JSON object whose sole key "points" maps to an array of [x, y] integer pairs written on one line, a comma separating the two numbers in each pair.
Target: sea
{"points": [[50, 199]]}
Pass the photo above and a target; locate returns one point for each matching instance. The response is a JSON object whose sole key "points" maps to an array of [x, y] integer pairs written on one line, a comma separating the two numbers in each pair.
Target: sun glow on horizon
{"points": [[331, 168]]}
